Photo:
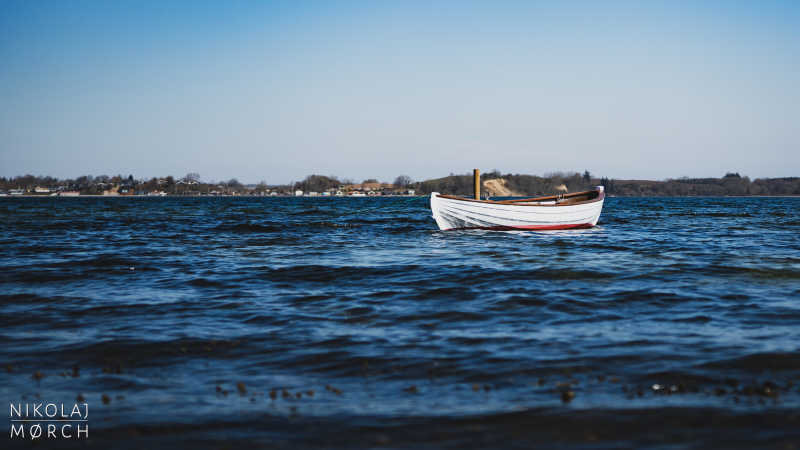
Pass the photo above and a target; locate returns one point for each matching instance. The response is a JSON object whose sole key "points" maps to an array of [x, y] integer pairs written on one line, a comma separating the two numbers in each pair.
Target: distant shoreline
{"points": [[361, 196], [493, 184], [210, 196]]}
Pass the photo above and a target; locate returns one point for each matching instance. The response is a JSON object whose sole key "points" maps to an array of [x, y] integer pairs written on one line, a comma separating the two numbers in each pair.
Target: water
{"points": [[674, 322]]}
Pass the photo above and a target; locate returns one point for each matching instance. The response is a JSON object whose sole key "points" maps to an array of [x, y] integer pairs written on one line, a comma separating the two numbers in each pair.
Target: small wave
{"points": [[758, 362], [680, 378], [33, 299], [393, 221], [207, 282], [311, 212], [450, 292], [712, 214], [755, 272], [541, 273], [613, 247], [249, 228], [654, 297], [141, 353], [590, 319], [693, 319], [453, 316], [324, 224], [629, 343], [518, 301], [320, 274]]}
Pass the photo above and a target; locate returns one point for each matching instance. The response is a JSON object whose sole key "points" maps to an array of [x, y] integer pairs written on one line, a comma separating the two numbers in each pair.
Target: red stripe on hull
{"points": [[528, 227]]}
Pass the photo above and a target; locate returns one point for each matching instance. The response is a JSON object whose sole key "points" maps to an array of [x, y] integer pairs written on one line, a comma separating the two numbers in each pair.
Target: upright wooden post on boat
{"points": [[476, 175]]}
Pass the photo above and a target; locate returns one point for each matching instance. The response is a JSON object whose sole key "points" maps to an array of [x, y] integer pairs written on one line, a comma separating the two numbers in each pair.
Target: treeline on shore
{"points": [[191, 184], [730, 184], [503, 184]]}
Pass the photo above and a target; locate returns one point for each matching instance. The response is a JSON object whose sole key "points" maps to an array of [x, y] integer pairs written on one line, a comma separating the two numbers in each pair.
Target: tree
{"points": [[317, 183], [494, 173], [192, 176], [587, 177], [403, 181]]}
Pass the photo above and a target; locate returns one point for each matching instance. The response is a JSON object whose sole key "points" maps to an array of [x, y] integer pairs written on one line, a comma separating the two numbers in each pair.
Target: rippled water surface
{"points": [[674, 321]]}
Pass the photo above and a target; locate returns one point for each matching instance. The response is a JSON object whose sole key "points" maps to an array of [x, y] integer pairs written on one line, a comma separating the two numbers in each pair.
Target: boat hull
{"points": [[459, 214]]}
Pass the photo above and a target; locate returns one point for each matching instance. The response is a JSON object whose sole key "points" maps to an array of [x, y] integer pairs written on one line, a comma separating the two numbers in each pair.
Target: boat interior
{"points": [[550, 200]]}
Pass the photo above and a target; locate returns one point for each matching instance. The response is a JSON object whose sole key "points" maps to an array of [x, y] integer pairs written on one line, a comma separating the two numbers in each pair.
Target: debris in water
{"points": [[330, 388]]}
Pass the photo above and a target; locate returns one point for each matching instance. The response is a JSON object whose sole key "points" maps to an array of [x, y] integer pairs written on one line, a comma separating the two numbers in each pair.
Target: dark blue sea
{"points": [[353, 323]]}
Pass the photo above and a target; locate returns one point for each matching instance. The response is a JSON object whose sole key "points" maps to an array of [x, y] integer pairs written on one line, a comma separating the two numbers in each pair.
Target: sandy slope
{"points": [[497, 188]]}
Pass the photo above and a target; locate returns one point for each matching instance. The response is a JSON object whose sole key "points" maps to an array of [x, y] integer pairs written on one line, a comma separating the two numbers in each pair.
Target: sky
{"points": [[275, 91]]}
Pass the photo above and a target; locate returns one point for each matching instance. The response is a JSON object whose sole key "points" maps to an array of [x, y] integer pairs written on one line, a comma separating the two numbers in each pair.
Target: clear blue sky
{"points": [[278, 90]]}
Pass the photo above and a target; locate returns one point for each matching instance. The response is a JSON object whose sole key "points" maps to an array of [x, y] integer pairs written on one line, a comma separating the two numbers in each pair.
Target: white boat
{"points": [[556, 212]]}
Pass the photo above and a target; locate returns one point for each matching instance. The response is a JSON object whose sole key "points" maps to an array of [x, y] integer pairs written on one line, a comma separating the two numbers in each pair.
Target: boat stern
{"points": [[601, 191]]}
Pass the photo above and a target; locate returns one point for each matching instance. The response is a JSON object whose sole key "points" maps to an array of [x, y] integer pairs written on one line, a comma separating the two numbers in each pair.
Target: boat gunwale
{"points": [[522, 201]]}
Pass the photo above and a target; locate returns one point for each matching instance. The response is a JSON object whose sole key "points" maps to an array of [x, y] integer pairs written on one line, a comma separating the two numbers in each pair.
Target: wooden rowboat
{"points": [[555, 212]]}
